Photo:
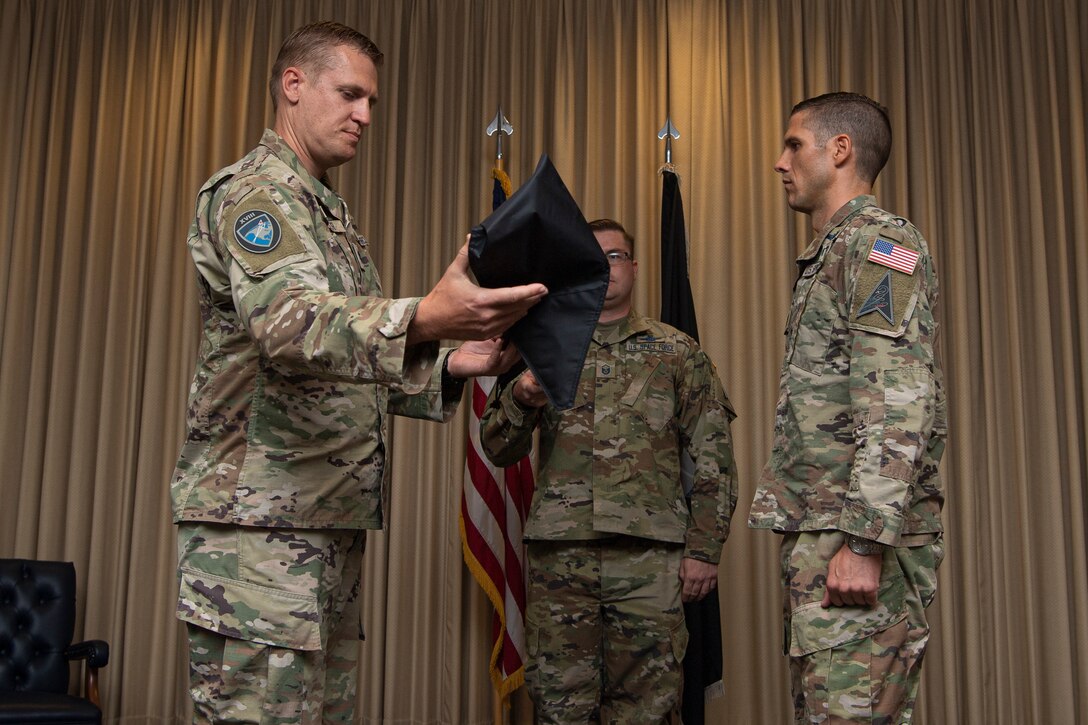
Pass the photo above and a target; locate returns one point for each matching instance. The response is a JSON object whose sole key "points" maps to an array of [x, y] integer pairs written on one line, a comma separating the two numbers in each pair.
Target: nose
{"points": [[361, 112], [781, 166]]}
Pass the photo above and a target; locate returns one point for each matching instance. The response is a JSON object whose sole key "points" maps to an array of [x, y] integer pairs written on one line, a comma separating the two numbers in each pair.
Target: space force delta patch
{"points": [[880, 300], [886, 288]]}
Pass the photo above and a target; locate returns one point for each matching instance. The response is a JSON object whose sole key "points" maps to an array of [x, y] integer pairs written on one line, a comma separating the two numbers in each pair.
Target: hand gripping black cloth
{"points": [[540, 235]]}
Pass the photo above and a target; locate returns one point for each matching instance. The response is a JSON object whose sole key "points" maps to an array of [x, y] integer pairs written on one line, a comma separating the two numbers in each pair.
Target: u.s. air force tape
{"points": [[260, 233]]}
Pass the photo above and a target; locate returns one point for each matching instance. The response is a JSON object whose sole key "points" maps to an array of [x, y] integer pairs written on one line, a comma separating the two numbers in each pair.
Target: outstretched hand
{"points": [[483, 357], [459, 309]]}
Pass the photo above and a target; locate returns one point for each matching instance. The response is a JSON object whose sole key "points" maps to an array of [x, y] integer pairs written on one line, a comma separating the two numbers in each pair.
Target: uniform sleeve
{"points": [[893, 378], [279, 285], [704, 418], [434, 402], [506, 429]]}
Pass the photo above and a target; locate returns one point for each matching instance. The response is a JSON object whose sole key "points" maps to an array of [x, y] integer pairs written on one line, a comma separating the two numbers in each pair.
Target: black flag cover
{"points": [[703, 661], [540, 235]]}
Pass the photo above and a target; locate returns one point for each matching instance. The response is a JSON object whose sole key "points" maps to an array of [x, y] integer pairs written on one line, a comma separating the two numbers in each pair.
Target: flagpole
{"points": [[668, 132], [500, 126]]}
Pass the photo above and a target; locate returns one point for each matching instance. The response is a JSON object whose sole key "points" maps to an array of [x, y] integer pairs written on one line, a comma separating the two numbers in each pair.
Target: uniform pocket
{"points": [[249, 611], [908, 421], [814, 628], [815, 329], [678, 639], [811, 627], [652, 398]]}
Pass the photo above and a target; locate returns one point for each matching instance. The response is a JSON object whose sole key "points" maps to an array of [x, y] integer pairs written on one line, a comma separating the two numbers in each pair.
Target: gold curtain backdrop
{"points": [[119, 110]]}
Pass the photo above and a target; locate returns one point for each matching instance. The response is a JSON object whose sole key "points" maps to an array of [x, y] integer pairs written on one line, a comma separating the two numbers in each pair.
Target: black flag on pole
{"points": [[703, 661], [677, 308]]}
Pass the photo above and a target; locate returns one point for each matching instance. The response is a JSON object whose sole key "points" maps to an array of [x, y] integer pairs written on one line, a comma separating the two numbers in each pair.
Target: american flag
{"points": [[494, 504], [894, 256]]}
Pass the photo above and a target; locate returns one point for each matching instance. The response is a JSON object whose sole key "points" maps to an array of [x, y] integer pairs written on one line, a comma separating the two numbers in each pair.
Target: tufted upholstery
{"points": [[37, 618]]}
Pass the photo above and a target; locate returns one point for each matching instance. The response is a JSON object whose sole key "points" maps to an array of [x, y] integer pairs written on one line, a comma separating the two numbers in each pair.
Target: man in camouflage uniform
{"points": [[301, 360], [613, 547], [860, 427]]}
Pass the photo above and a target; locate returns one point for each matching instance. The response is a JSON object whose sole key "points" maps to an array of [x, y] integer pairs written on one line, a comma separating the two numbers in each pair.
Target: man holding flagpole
{"points": [[614, 546]]}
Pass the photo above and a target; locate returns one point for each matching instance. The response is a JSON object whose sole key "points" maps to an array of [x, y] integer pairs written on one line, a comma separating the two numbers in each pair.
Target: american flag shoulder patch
{"points": [[893, 255]]}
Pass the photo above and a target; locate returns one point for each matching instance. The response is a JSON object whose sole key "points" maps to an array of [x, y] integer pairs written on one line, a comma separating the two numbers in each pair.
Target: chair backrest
{"points": [[37, 620]]}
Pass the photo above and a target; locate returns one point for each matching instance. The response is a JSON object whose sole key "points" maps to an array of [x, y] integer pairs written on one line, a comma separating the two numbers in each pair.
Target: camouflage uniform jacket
{"points": [[611, 464], [287, 414], [861, 421]]}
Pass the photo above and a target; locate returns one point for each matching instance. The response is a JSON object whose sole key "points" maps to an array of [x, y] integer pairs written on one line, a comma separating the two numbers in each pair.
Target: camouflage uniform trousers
{"points": [[309, 680], [605, 629], [857, 664]]}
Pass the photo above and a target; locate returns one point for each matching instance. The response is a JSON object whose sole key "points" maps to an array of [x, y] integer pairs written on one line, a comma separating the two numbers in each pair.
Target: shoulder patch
{"points": [[257, 231], [259, 234], [883, 300], [880, 300], [895, 256]]}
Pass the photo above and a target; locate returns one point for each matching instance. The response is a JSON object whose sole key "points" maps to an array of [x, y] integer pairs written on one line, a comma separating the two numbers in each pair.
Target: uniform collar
{"points": [[320, 188], [619, 330], [838, 219]]}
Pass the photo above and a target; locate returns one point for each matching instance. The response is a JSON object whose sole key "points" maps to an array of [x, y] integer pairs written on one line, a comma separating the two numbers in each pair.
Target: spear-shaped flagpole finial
{"points": [[500, 125], [668, 132]]}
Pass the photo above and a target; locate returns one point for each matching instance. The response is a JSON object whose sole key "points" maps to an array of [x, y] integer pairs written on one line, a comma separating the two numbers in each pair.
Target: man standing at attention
{"points": [[613, 547], [301, 358], [860, 426]]}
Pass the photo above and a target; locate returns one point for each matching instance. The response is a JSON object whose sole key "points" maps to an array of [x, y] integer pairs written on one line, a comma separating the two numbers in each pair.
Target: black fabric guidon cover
{"points": [[540, 235]]}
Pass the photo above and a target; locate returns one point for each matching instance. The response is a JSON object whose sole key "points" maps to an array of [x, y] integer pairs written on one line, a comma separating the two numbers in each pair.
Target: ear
{"points": [[291, 82], [842, 149]]}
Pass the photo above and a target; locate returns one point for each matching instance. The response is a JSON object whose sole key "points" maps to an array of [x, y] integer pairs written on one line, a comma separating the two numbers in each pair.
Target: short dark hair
{"points": [[311, 48], [611, 225], [861, 118]]}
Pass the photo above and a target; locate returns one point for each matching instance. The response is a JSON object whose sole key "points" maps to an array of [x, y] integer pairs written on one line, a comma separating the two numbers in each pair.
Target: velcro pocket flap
{"points": [[249, 611], [814, 628]]}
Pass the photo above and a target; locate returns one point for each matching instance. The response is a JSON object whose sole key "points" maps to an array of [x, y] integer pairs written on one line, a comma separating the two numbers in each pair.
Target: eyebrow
{"points": [[358, 90]]}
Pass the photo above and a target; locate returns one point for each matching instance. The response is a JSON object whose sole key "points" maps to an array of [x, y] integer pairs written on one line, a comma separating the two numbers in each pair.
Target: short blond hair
{"points": [[311, 48]]}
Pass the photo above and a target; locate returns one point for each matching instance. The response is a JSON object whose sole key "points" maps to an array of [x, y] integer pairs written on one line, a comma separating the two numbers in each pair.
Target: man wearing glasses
{"points": [[614, 546]]}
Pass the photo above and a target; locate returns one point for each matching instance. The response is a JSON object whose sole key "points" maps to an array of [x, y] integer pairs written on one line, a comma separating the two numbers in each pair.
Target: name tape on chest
{"points": [[649, 343]]}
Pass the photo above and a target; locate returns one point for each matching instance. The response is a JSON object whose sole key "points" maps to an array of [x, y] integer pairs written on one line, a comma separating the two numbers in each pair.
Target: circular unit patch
{"points": [[257, 231]]}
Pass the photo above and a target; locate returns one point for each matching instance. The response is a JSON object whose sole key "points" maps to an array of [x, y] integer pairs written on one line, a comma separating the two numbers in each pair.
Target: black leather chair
{"points": [[37, 619]]}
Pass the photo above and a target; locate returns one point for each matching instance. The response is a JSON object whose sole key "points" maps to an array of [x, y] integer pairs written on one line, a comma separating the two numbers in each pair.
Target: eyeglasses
{"points": [[615, 258]]}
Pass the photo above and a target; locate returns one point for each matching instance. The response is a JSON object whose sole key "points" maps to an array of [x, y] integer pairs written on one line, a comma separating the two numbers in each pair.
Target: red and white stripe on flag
{"points": [[494, 504], [894, 256]]}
